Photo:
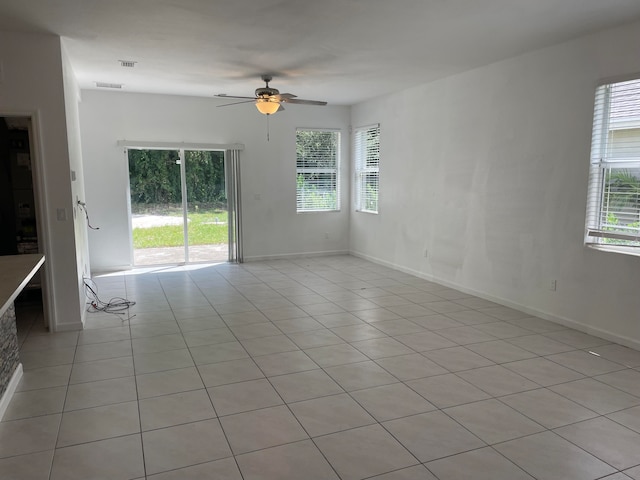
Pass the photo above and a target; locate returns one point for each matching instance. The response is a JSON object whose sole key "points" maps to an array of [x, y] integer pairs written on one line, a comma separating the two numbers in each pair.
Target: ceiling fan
{"points": [[269, 100]]}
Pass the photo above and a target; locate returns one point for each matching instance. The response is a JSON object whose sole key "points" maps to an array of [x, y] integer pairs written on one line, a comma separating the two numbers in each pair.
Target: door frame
{"points": [[230, 151], [42, 222]]}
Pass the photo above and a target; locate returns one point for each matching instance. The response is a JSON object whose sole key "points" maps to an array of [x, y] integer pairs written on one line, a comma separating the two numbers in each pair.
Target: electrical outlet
{"points": [[426, 253], [326, 235], [552, 285], [61, 213]]}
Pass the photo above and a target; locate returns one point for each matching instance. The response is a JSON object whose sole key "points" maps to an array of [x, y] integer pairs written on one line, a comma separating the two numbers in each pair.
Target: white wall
{"points": [[487, 170], [32, 85], [72, 99], [271, 225]]}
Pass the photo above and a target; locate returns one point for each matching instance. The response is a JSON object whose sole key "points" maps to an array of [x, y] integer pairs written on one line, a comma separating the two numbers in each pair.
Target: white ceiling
{"points": [[341, 51]]}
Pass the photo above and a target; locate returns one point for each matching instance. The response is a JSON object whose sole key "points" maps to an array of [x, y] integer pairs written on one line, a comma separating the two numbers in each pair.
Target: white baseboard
{"points": [[69, 327], [291, 256], [11, 388], [566, 322], [110, 269]]}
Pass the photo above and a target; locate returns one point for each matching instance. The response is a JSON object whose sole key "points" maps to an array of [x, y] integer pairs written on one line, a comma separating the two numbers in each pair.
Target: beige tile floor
{"points": [[322, 368]]}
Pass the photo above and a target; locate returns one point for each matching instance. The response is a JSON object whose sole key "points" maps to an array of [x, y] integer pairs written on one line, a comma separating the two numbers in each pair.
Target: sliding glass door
{"points": [[178, 206], [157, 217], [206, 206]]}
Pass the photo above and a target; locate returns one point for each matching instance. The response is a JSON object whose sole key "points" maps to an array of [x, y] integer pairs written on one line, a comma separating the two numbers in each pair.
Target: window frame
{"points": [[605, 157], [363, 170], [335, 170]]}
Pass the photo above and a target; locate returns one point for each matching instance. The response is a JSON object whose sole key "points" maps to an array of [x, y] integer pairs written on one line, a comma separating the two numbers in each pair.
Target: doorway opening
{"points": [[178, 206], [21, 226]]}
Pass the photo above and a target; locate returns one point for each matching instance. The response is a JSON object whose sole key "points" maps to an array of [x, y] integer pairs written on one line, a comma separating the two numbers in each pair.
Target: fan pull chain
{"points": [[268, 127]]}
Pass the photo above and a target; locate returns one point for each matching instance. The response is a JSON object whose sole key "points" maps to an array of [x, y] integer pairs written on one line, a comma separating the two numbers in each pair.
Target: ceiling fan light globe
{"points": [[266, 107]]}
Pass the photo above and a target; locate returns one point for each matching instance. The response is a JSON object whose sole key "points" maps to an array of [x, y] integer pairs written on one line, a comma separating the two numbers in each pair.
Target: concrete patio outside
{"points": [[175, 255]]}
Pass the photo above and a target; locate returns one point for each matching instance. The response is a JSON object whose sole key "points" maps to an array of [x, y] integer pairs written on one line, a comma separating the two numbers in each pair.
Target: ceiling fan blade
{"points": [[235, 103], [303, 102], [281, 96], [224, 95], [280, 108]]}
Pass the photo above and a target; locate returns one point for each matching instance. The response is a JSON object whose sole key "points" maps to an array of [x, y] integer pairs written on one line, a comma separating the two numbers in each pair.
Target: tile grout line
{"points": [[135, 380], [217, 417]]}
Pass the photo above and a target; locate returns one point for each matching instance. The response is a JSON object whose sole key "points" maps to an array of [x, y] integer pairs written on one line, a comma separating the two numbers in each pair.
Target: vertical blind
{"points": [[317, 170], [613, 204], [232, 182], [366, 152]]}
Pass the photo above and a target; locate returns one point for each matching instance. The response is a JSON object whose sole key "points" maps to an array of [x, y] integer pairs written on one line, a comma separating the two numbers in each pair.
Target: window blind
{"points": [[317, 170], [613, 204], [366, 152]]}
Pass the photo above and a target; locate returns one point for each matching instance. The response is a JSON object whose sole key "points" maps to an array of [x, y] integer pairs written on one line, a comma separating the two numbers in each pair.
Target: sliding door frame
{"points": [[232, 184]]}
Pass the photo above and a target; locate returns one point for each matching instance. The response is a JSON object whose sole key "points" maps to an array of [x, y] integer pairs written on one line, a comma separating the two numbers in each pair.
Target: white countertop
{"points": [[15, 273]]}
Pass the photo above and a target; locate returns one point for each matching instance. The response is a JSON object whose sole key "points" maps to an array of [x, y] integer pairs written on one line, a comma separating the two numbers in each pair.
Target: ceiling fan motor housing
{"points": [[266, 92]]}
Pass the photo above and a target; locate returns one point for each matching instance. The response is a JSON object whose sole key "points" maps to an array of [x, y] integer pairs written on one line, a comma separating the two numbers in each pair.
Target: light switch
{"points": [[62, 215]]}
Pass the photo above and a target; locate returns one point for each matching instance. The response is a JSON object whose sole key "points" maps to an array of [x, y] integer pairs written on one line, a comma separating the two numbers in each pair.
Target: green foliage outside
{"points": [[154, 177], [310, 197], [156, 190], [317, 169], [622, 199], [371, 197], [613, 225]]}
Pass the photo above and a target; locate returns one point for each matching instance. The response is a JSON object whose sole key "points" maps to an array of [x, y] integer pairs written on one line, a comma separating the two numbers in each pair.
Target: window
{"points": [[317, 170], [366, 145], [613, 204]]}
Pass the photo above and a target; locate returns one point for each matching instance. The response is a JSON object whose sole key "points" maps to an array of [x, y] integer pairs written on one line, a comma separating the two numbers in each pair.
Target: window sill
{"points": [[367, 211], [633, 251], [304, 212]]}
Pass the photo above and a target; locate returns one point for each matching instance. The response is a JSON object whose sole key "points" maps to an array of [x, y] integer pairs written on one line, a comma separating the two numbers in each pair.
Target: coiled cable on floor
{"points": [[115, 306]]}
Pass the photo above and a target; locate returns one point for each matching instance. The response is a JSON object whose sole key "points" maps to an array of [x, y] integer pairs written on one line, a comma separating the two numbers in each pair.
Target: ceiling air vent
{"points": [[108, 85], [127, 63]]}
